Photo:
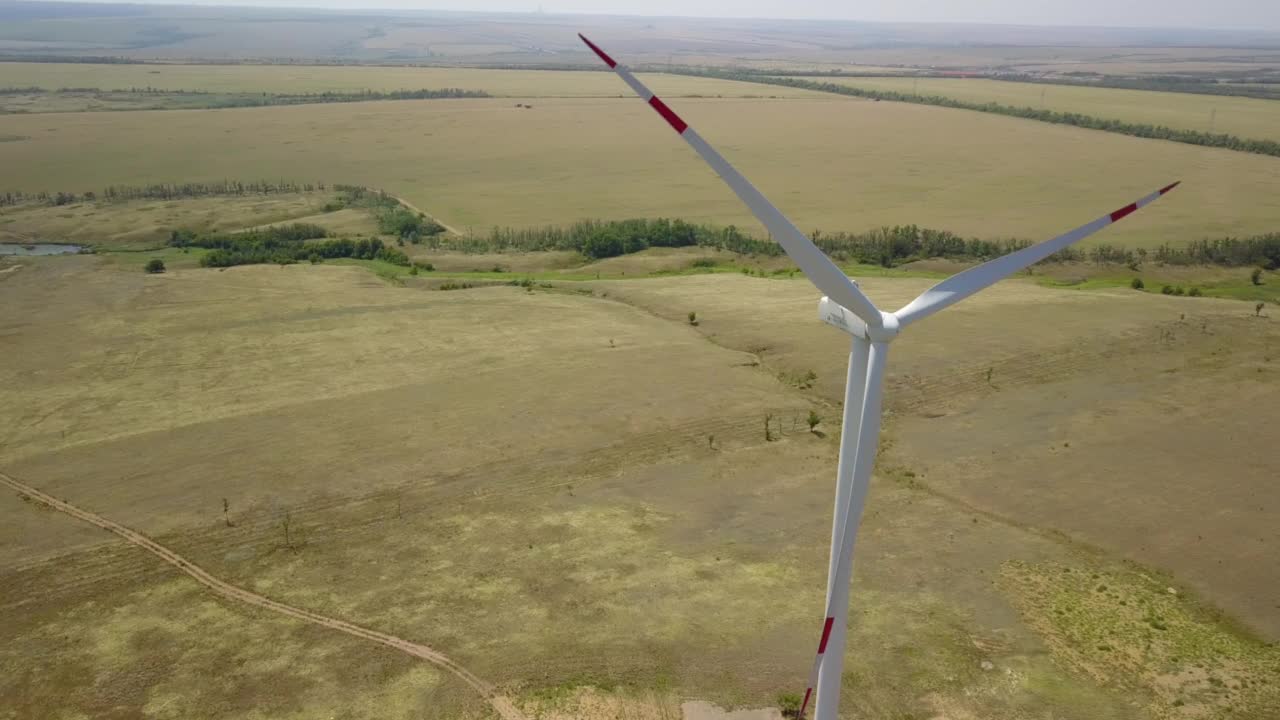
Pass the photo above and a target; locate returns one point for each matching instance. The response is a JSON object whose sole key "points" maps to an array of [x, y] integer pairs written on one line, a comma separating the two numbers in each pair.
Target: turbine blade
{"points": [[962, 285], [812, 262]]}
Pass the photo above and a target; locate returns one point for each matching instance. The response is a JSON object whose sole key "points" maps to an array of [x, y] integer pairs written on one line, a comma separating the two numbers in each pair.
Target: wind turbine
{"points": [[847, 308]]}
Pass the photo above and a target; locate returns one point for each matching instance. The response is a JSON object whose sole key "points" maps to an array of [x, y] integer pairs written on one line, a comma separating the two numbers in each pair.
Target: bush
{"points": [[155, 265], [413, 270], [426, 267], [693, 318], [813, 420], [789, 704], [1194, 292], [1166, 290], [1255, 277], [1137, 284]]}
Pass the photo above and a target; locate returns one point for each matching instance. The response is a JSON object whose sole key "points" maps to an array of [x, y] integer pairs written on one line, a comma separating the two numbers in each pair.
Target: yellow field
{"points": [[1246, 117], [311, 79], [833, 163]]}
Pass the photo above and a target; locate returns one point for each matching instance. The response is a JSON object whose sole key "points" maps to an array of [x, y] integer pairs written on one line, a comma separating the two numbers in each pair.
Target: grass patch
{"points": [[1125, 628]]}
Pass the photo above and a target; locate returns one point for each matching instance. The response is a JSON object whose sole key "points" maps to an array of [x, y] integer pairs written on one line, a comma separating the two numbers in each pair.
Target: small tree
{"points": [[413, 270], [155, 266], [813, 420], [1255, 277], [693, 318], [1137, 284]]}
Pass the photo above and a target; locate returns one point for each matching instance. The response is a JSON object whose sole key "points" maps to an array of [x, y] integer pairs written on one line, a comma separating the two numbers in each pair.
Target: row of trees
{"points": [[160, 191], [213, 99], [1143, 130], [887, 246], [283, 244], [1257, 250]]}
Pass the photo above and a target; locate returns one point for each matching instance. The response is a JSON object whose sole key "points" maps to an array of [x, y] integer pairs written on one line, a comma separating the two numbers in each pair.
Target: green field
{"points": [[832, 163], [1245, 117]]}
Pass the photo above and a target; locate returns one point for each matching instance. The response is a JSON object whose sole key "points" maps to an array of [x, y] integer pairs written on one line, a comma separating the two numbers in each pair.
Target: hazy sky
{"points": [[1245, 14]]}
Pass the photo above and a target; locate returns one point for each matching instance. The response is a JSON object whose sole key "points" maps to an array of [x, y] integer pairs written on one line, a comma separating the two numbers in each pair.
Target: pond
{"points": [[38, 249]]}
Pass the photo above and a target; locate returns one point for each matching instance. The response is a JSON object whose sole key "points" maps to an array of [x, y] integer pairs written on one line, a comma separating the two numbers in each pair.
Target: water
{"points": [[39, 249]]}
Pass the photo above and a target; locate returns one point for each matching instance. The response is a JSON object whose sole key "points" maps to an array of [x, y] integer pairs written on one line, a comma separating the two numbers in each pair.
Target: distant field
{"points": [[313, 79], [146, 223], [1245, 117], [833, 163]]}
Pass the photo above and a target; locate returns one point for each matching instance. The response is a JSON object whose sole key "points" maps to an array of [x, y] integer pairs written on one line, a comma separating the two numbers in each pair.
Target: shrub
{"points": [[789, 704], [413, 270], [1137, 284], [1177, 290], [1255, 277], [693, 318], [703, 263], [1194, 292], [426, 267], [315, 259], [154, 266], [1166, 290], [813, 420]]}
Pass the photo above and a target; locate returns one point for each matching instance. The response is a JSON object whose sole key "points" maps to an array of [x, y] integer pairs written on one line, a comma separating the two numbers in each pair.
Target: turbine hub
{"points": [[888, 329]]}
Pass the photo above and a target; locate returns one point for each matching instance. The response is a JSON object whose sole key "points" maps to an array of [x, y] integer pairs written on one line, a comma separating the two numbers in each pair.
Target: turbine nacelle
{"points": [[838, 316]]}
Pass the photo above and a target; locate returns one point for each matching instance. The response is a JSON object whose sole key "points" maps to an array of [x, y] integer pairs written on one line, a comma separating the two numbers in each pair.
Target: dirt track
{"points": [[502, 705]]}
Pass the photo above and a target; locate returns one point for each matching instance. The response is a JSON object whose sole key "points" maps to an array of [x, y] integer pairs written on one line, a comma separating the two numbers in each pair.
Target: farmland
{"points": [[479, 163], [280, 445], [506, 554], [313, 79], [1246, 117]]}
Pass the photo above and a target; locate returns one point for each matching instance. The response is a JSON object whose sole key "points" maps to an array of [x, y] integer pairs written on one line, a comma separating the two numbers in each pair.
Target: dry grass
{"points": [[834, 164], [482, 471], [147, 223], [1245, 117]]}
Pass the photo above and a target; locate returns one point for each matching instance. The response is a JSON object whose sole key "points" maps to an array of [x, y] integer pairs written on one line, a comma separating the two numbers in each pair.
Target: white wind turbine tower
{"points": [[847, 308]]}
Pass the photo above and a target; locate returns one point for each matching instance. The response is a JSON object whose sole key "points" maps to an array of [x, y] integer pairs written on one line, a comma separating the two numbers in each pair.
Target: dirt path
{"points": [[502, 705], [452, 230]]}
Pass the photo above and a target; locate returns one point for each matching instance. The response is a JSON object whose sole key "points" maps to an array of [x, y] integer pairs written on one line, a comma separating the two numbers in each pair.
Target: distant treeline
{"points": [[160, 191], [222, 100], [600, 239], [1143, 130], [888, 246], [1236, 87], [283, 244]]}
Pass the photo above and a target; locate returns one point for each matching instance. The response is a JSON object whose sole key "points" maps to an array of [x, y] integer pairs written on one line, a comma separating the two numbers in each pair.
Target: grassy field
{"points": [[624, 535], [1245, 117], [146, 223], [313, 79], [832, 163]]}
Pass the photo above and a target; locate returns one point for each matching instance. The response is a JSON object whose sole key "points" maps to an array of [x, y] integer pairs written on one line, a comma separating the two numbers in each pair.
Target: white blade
{"points": [[813, 263], [962, 285]]}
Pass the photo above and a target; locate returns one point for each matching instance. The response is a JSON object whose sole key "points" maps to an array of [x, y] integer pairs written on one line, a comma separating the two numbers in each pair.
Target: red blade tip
{"points": [[1167, 188], [596, 49]]}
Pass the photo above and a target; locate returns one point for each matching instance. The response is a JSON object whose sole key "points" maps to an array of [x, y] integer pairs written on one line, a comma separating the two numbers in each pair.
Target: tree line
{"points": [[886, 246], [283, 245], [160, 191], [1143, 130], [221, 100]]}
